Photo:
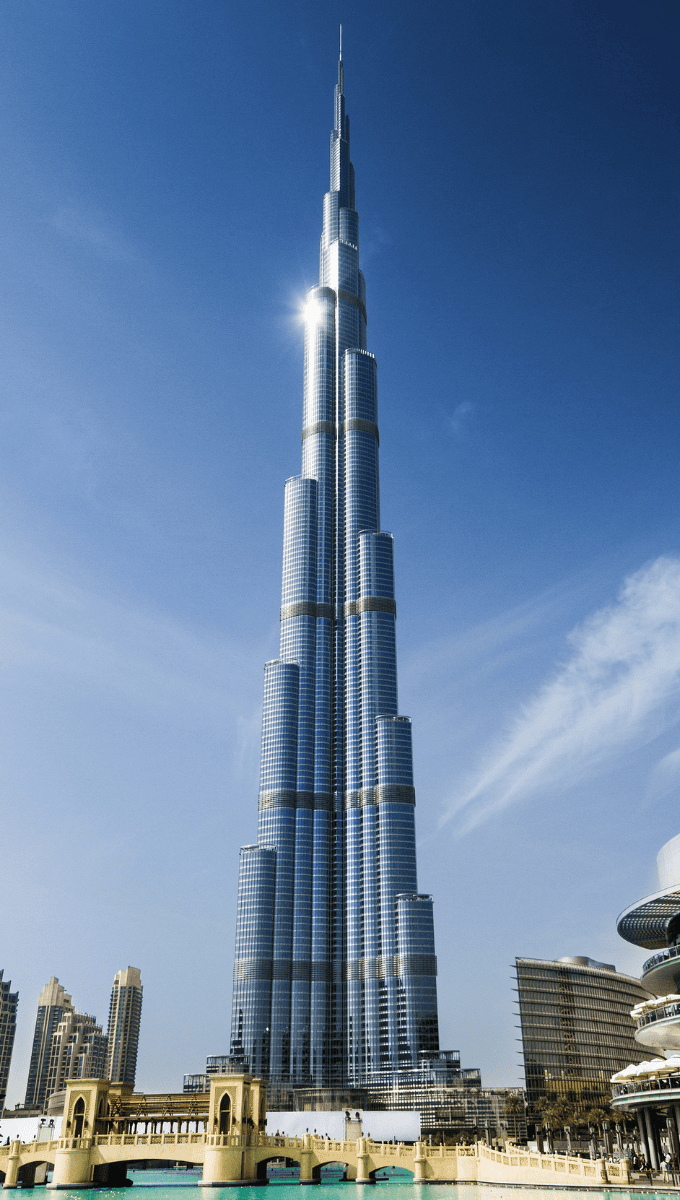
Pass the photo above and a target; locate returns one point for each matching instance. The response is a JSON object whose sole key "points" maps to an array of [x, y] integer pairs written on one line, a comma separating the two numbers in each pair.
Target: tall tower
{"points": [[77, 1051], [53, 1004], [335, 970], [8, 1026], [125, 1015]]}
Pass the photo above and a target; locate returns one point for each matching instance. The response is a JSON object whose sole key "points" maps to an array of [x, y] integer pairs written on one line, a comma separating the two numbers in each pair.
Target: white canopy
{"points": [[650, 1005], [657, 1066]]}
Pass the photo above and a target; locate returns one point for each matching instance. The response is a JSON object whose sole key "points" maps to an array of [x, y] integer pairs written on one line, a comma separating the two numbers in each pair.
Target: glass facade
{"points": [[53, 1003], [335, 969], [8, 1027], [652, 922], [125, 1015], [196, 1083], [451, 1102], [577, 1030], [78, 1051]]}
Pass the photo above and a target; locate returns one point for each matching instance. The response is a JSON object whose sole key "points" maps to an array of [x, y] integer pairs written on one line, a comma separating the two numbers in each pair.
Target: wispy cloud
{"points": [[619, 690], [373, 242], [665, 777], [488, 647], [93, 231], [460, 418], [59, 631]]}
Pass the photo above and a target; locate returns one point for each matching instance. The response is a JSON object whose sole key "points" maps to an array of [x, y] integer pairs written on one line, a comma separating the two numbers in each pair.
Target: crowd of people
{"points": [[670, 1167]]}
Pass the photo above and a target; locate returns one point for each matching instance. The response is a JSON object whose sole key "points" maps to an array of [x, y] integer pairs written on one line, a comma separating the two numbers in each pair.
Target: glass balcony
{"points": [[661, 972], [663, 956], [658, 1023]]}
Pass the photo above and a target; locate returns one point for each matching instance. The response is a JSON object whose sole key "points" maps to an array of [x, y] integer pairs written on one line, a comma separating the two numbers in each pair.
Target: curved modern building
{"points": [[650, 1090], [576, 1027], [335, 969], [654, 924], [657, 1023]]}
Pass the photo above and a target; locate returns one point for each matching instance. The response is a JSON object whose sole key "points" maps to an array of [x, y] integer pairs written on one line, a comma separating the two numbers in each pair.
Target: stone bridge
{"points": [[102, 1138]]}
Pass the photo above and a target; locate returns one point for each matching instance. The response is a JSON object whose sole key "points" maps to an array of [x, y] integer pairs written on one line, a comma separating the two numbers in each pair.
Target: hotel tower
{"points": [[335, 970]]}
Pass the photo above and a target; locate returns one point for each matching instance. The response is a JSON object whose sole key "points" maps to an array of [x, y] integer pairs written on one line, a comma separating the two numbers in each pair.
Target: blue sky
{"points": [[518, 185]]}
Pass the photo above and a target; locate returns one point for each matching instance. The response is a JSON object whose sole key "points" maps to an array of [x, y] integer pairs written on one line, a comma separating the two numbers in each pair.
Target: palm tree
{"points": [[567, 1119], [514, 1105], [551, 1119], [620, 1120], [596, 1118]]}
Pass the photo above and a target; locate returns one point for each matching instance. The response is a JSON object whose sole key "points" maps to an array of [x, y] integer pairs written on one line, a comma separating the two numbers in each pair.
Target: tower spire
{"points": [[335, 969]]}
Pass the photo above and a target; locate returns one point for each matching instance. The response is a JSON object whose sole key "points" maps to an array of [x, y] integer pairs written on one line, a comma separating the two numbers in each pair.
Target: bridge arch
{"points": [[388, 1169], [348, 1171], [156, 1163], [275, 1156], [34, 1171]]}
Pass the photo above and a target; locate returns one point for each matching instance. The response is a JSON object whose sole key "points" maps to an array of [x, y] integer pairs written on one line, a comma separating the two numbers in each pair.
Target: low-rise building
{"points": [[490, 1113], [450, 1100], [196, 1083]]}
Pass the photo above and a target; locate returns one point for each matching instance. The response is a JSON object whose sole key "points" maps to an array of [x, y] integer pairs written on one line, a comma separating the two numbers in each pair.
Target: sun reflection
{"points": [[311, 312]]}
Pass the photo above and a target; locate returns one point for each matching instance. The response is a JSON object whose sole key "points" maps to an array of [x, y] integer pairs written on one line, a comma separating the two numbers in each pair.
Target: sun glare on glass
{"points": [[312, 312]]}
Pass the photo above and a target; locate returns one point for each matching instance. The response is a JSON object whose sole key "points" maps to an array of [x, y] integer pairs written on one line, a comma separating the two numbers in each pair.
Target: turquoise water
{"points": [[166, 1183]]}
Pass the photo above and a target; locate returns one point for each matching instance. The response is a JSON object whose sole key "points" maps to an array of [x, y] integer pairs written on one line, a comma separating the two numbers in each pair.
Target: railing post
{"points": [[12, 1172], [419, 1161], [306, 1174], [363, 1175]]}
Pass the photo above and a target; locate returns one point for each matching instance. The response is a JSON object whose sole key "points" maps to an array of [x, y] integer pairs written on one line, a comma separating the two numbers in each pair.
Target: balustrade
{"points": [[367, 1153]]}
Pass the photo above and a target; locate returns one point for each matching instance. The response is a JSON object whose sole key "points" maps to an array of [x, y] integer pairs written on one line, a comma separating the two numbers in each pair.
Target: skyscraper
{"points": [[77, 1051], [8, 1027], [335, 970], [53, 1003], [125, 1015]]}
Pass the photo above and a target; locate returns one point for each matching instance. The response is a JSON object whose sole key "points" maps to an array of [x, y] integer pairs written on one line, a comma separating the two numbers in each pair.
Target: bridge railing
{"points": [[560, 1167], [373, 1148], [31, 1147], [557, 1164], [281, 1141], [149, 1139]]}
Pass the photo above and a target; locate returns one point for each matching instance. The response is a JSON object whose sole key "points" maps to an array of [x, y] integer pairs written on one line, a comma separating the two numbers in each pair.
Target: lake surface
{"points": [[166, 1183]]}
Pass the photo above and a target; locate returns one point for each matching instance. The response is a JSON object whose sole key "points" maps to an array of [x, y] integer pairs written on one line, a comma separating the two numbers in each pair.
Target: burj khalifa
{"points": [[335, 968]]}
